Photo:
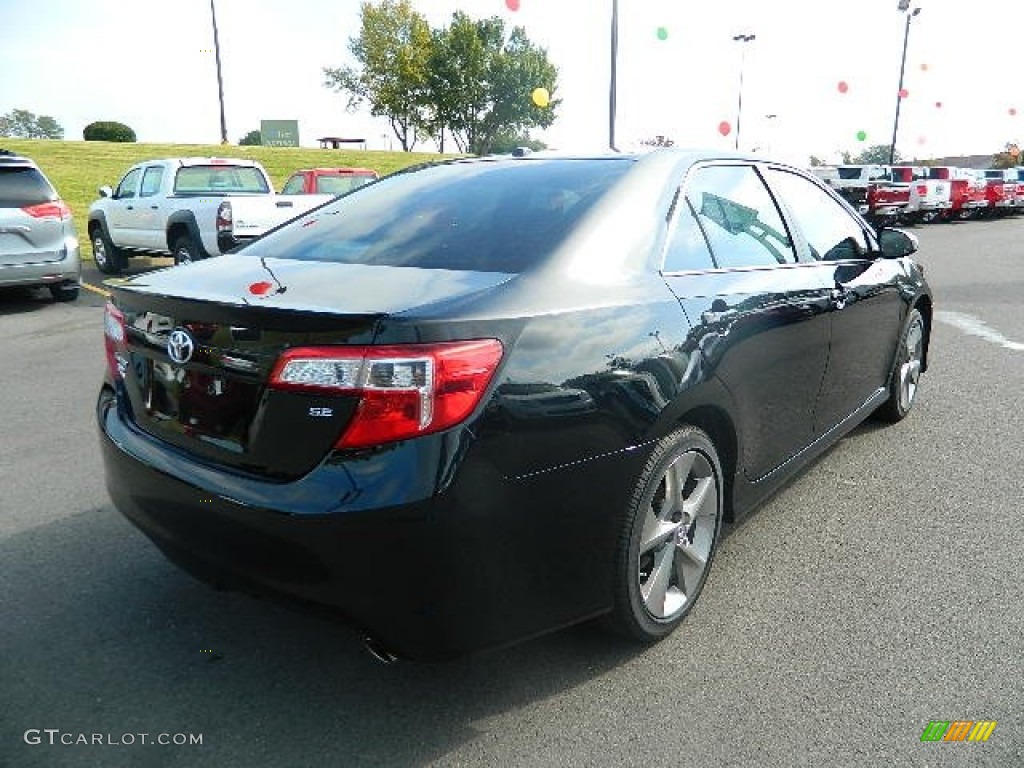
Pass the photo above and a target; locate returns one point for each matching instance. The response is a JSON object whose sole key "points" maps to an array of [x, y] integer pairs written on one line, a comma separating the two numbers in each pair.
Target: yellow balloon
{"points": [[541, 97]]}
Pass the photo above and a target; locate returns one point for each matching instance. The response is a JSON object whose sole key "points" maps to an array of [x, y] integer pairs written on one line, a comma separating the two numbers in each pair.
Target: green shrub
{"points": [[108, 130]]}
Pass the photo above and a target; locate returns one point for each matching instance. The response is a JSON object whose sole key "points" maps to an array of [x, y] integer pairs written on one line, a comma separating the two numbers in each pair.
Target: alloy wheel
{"points": [[678, 536]]}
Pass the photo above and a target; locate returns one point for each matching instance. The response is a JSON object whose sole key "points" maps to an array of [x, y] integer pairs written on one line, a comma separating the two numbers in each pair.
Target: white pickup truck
{"points": [[188, 207]]}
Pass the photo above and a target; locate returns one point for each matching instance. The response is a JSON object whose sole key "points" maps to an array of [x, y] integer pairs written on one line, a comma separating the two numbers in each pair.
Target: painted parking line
{"points": [[977, 327], [96, 289]]}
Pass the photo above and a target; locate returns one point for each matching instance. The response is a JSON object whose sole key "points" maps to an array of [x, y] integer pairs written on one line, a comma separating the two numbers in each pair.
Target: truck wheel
{"points": [[110, 260], [185, 251]]}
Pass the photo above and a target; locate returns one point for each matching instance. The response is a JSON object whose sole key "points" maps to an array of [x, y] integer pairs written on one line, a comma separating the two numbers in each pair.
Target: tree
{"points": [[878, 154], [1010, 157], [108, 130], [22, 124], [251, 139], [480, 83], [816, 161], [392, 51]]}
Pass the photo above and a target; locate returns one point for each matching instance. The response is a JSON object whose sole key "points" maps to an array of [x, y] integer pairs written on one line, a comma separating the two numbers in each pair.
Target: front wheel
{"points": [[185, 251], [110, 260], [907, 373], [668, 536]]}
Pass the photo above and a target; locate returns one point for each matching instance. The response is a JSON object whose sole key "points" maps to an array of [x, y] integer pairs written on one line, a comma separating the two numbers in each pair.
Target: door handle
{"points": [[129, 207], [154, 207]]}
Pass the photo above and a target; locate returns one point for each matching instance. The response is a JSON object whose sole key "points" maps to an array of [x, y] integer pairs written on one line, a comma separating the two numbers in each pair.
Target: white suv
{"points": [[38, 245]]}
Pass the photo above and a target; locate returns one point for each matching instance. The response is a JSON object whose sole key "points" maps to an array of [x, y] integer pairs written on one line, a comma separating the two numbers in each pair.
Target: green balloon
{"points": [[861, 135], [662, 33]]}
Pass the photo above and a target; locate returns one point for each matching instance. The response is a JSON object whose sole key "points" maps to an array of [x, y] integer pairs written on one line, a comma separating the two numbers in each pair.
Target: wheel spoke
{"points": [[698, 501], [690, 566], [655, 587], [655, 532]]}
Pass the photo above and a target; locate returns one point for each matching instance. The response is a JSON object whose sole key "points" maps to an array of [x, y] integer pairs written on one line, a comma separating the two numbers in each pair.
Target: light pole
{"points": [[220, 80], [612, 78], [903, 7], [743, 38]]}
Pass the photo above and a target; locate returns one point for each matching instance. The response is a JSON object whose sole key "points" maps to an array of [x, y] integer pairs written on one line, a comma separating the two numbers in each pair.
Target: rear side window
{"points": [[219, 180], [501, 216], [151, 180], [687, 249], [832, 234], [21, 187], [738, 215]]}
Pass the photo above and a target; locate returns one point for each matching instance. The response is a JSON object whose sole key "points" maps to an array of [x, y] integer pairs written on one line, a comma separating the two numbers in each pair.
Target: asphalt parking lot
{"points": [[880, 591]]}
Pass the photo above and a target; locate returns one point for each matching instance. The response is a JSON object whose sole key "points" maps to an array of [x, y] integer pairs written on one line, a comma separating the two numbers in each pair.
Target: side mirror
{"points": [[896, 243], [106, 191]]}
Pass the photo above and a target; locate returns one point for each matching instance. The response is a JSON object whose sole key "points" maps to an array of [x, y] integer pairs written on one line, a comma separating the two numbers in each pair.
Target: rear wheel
{"points": [[110, 260], [185, 251], [907, 373], [668, 536], [64, 291]]}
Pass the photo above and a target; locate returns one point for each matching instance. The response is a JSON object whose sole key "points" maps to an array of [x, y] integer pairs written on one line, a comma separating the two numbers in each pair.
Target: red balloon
{"points": [[938, 105], [1013, 112], [724, 128], [921, 139], [261, 288], [904, 93], [843, 86], [512, 5]]}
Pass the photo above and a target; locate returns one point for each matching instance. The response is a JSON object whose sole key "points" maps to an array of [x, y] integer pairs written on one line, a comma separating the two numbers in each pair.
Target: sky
{"points": [[150, 64]]}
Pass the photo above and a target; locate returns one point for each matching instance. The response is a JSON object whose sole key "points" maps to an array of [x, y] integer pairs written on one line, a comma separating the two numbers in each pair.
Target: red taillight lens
{"points": [[225, 220], [405, 391], [114, 340], [922, 189], [56, 209]]}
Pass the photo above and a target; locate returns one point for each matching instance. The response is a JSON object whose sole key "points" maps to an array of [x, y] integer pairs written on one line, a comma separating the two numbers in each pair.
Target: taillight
{"points": [[56, 209], [405, 390], [922, 189], [114, 340], [224, 218]]}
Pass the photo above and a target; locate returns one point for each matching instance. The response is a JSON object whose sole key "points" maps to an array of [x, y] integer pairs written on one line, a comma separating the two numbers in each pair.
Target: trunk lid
{"points": [[202, 340]]}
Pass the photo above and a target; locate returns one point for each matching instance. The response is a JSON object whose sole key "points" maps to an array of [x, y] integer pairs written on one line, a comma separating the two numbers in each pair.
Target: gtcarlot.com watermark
{"points": [[55, 736]]}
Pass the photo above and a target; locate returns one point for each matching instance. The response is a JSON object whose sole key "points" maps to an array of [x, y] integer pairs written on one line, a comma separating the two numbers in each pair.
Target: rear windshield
{"points": [[219, 180], [339, 185], [938, 173], [994, 175], [849, 173], [20, 187], [499, 216]]}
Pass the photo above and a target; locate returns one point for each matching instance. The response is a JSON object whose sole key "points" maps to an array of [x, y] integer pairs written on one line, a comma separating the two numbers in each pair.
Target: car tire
{"points": [[668, 536], [64, 291], [185, 250], [110, 260], [907, 372]]}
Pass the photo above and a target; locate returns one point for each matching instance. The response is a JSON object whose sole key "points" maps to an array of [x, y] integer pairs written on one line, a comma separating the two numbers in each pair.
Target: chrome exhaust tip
{"points": [[377, 649]]}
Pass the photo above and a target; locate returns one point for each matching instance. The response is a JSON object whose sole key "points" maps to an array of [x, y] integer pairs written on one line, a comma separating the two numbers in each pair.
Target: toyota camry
{"points": [[483, 399]]}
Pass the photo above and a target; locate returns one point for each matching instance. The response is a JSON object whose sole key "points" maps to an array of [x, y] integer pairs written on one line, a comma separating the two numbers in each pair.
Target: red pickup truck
{"points": [[1001, 190], [327, 181], [967, 193]]}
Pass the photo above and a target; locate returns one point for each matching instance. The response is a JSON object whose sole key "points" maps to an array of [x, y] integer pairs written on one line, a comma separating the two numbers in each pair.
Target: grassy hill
{"points": [[78, 168]]}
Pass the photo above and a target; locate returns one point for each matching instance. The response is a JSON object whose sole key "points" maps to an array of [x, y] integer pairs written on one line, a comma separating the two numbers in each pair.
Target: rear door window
{"points": [[151, 180], [742, 224], [22, 187]]}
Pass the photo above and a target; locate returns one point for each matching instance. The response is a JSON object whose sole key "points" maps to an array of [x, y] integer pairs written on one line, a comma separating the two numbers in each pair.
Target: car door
{"points": [[760, 316], [147, 220], [120, 211], [867, 304]]}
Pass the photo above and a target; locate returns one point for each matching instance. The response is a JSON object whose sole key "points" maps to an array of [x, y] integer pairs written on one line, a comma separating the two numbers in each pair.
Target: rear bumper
{"points": [[484, 561], [68, 269]]}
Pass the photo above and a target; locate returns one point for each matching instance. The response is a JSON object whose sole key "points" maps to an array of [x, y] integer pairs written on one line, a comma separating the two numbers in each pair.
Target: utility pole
{"points": [[220, 79]]}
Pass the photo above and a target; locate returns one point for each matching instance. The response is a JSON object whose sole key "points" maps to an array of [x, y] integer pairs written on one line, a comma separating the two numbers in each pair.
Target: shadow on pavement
{"points": [[153, 651]]}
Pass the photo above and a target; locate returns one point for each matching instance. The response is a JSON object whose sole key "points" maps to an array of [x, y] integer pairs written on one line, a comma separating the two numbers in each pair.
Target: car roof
{"points": [[10, 160], [337, 170]]}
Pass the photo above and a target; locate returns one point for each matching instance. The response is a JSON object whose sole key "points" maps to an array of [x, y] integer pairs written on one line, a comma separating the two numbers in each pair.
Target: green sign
{"points": [[279, 133]]}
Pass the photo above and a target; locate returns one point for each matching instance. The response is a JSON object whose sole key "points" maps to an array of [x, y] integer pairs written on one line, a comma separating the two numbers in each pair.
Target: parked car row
{"points": [[915, 194], [196, 207]]}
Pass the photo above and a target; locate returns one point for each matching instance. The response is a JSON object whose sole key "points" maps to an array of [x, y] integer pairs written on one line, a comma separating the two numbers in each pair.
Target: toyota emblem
{"points": [[180, 346]]}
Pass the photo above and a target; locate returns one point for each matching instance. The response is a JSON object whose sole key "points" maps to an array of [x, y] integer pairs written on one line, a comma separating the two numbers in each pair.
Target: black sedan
{"points": [[480, 400]]}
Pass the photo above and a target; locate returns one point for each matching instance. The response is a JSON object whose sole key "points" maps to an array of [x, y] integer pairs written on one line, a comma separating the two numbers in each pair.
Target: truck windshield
{"points": [[219, 180]]}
